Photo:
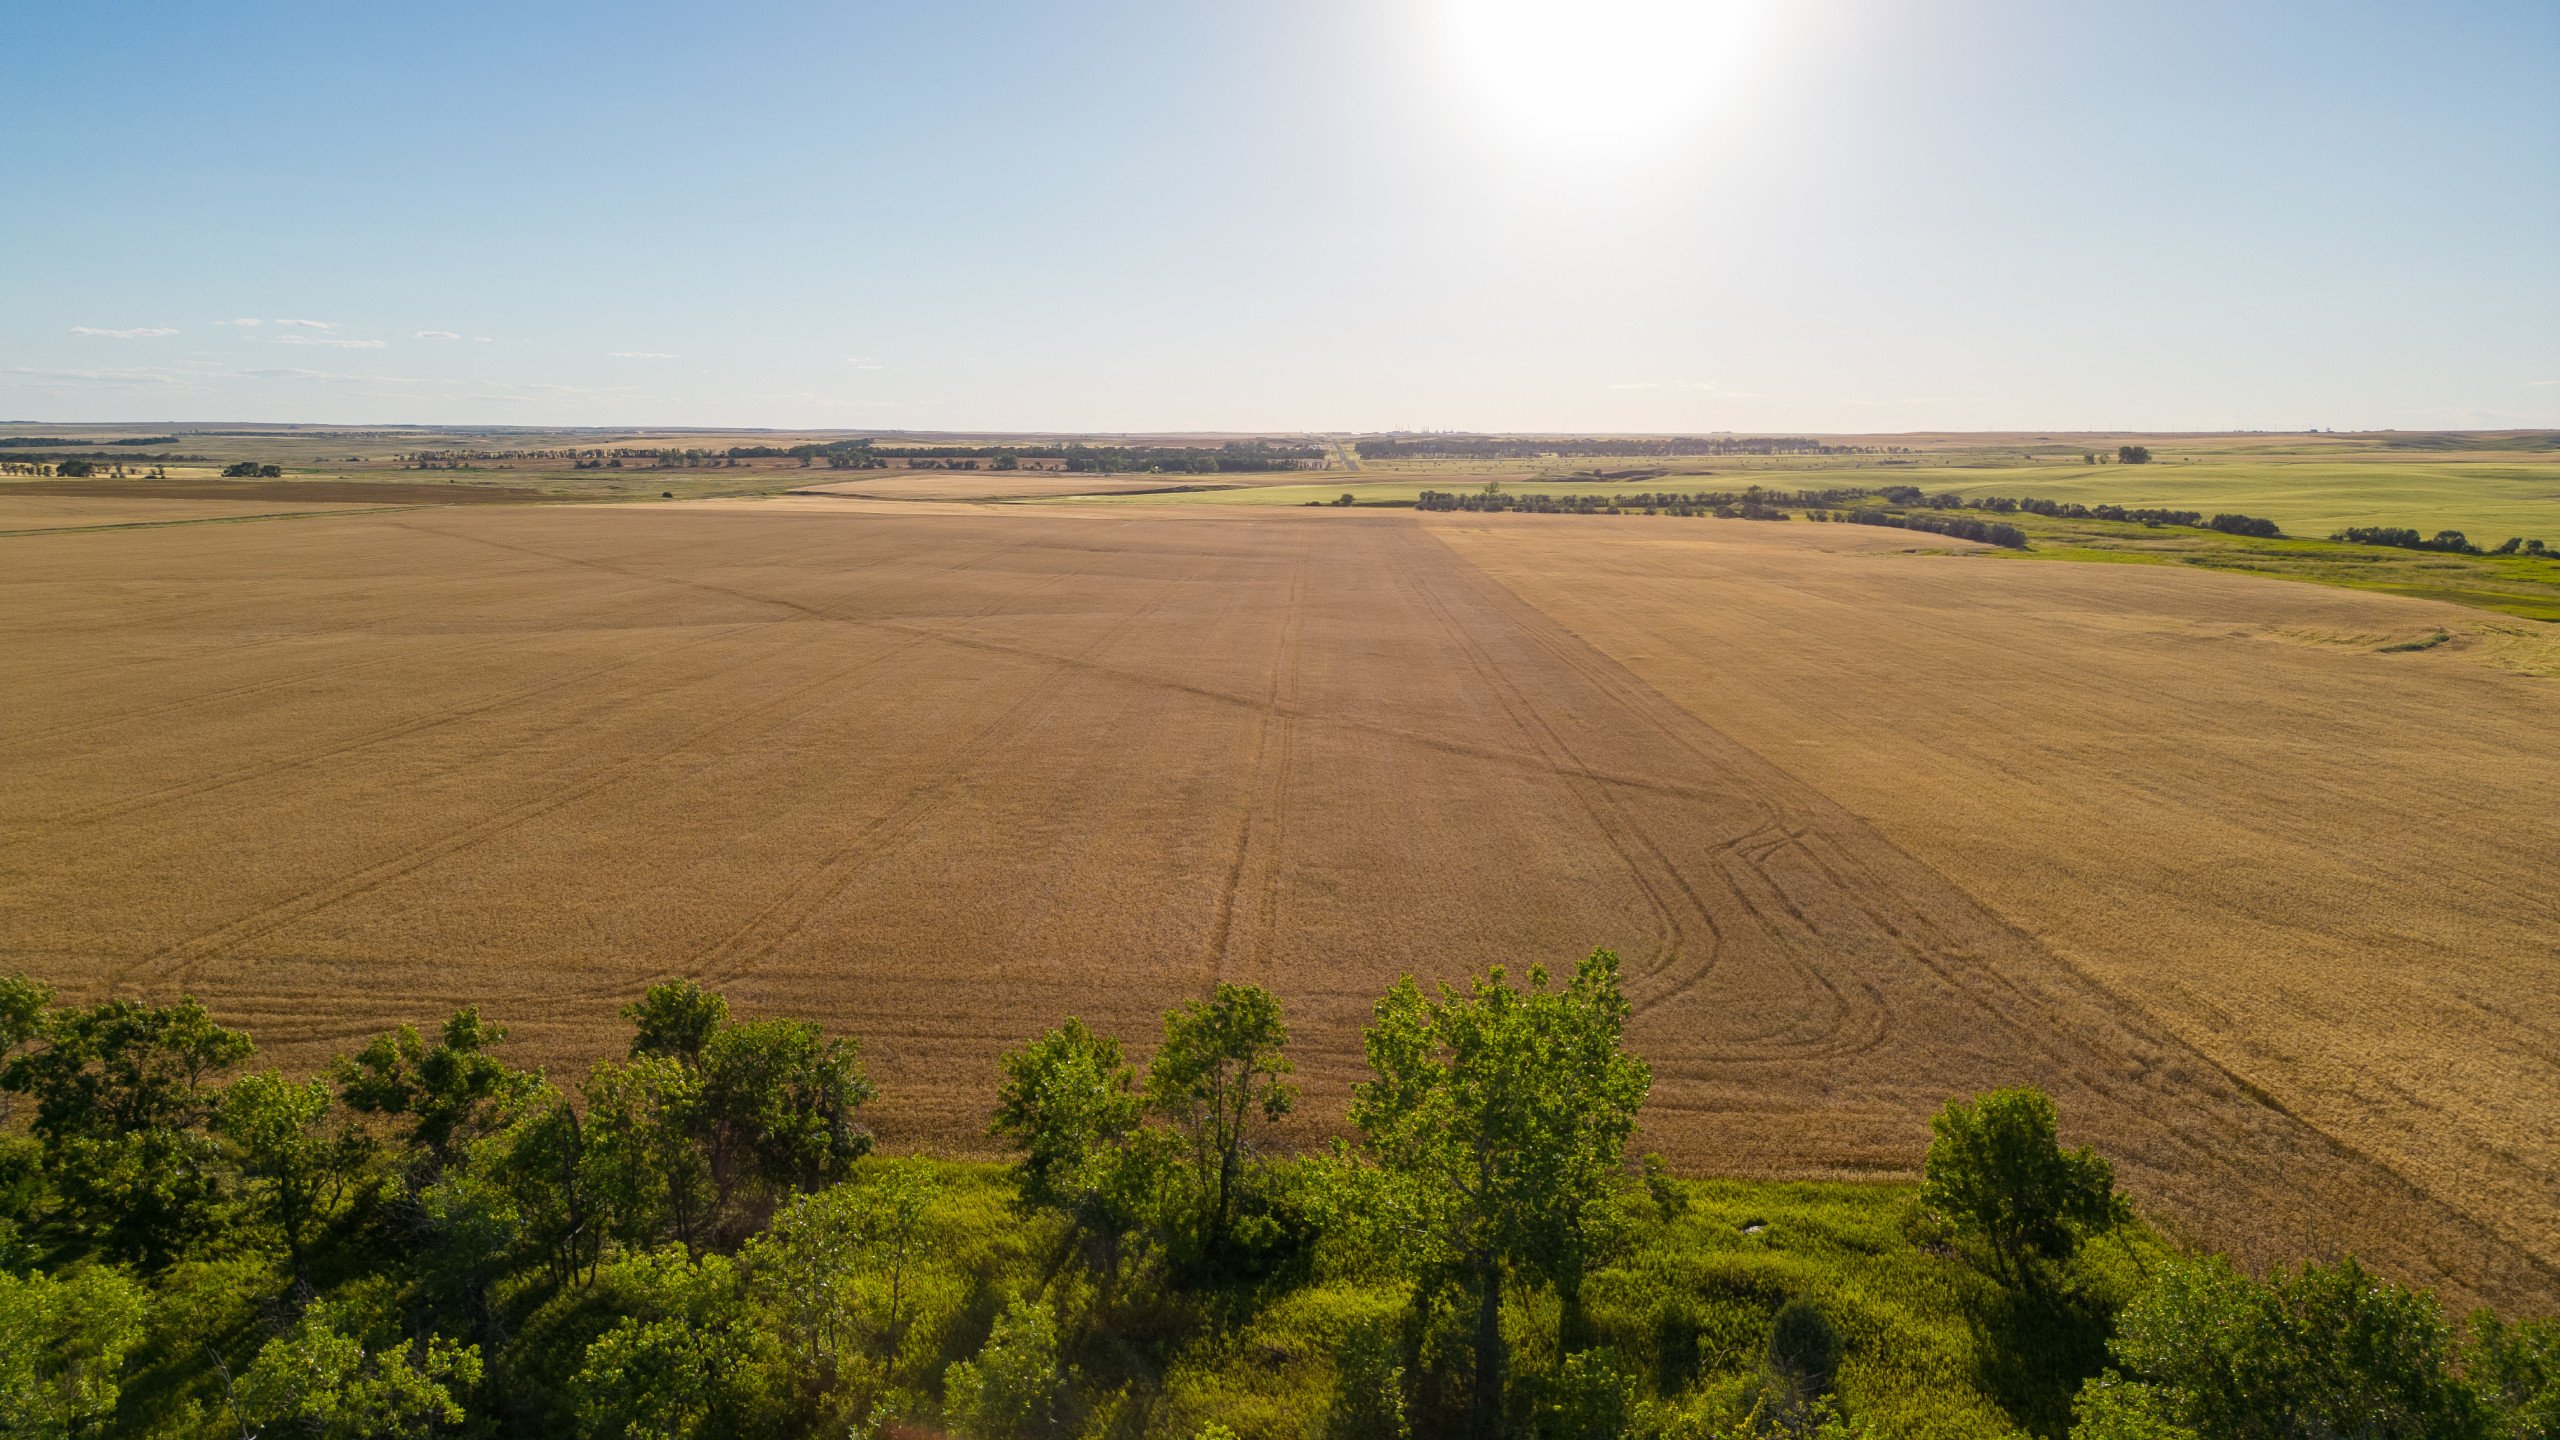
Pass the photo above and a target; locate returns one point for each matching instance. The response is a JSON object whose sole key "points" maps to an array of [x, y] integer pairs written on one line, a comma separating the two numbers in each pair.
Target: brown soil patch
{"points": [[941, 779]]}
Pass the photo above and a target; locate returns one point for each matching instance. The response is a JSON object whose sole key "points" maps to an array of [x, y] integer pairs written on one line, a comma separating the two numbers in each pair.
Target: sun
{"points": [[1592, 78]]}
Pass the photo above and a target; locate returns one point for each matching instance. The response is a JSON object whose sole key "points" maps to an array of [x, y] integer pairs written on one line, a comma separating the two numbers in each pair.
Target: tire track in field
{"points": [[311, 759], [307, 759], [745, 950], [205, 697], [188, 955], [1781, 828], [628, 573], [2203, 1136], [1597, 804], [1266, 794]]}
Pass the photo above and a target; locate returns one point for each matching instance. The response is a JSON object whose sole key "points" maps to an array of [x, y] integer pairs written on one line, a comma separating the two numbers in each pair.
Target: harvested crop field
{"points": [[296, 492], [20, 512], [940, 778], [1006, 485]]}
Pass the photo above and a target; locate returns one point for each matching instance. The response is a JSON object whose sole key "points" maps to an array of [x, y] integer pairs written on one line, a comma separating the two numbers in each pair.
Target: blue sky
{"points": [[1832, 215]]}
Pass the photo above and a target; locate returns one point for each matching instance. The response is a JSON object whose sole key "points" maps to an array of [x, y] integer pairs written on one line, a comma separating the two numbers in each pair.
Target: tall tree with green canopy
{"points": [[675, 1018], [122, 1092], [1221, 1071], [1997, 1174], [451, 1092], [296, 1163], [63, 1344], [778, 1109], [1499, 1117], [1070, 1105]]}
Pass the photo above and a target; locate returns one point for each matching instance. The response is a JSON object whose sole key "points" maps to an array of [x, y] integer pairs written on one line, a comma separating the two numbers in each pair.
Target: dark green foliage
{"points": [[2244, 525], [1498, 1118], [295, 1164], [122, 1094], [675, 1019], [778, 1108], [2133, 455], [2516, 1371], [2318, 1352], [251, 470], [1803, 1345], [1998, 1176], [1218, 1077], [2400, 537], [75, 469], [450, 1093], [1472, 447]]}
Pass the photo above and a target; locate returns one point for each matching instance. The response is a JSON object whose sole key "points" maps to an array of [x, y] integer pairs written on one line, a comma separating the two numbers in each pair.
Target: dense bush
{"points": [[2450, 541], [2244, 525]]}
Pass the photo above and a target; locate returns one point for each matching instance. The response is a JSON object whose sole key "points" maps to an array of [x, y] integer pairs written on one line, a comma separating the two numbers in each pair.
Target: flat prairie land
{"points": [[2259, 905], [22, 511], [1008, 485], [2315, 834]]}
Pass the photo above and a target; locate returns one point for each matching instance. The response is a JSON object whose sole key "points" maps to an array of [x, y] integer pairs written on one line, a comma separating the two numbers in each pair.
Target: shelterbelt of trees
{"points": [[1488, 447], [698, 1240]]}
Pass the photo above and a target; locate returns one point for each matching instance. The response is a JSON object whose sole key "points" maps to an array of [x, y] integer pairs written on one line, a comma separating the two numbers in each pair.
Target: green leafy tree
{"points": [[675, 1019], [22, 1012], [2516, 1370], [296, 1163], [1221, 1073], [1070, 1105], [2205, 1353], [321, 1378], [451, 1093], [835, 1273], [1016, 1387], [543, 1163], [683, 1361], [122, 1092], [1499, 1117], [778, 1109], [63, 1344], [648, 1179], [1996, 1173]]}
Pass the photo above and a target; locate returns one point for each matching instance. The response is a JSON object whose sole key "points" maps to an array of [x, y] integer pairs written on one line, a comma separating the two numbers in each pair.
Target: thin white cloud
{"points": [[246, 324], [2538, 384], [311, 324], [864, 362], [435, 335], [143, 332], [1708, 387], [329, 341], [1925, 400], [96, 377], [639, 355]]}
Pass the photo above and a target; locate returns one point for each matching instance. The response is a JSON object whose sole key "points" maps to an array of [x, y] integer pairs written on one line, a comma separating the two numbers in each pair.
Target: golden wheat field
{"points": [[2270, 913]]}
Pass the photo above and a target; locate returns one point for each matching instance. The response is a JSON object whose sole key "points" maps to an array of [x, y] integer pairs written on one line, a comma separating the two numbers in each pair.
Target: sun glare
{"points": [[1595, 78]]}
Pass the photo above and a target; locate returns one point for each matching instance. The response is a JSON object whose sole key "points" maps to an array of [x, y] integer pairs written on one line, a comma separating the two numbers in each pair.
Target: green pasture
{"points": [[2313, 497], [2508, 584], [2309, 496]]}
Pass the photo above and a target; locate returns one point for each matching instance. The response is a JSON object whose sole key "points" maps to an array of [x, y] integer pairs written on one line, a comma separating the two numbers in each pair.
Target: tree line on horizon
{"points": [[699, 1240]]}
